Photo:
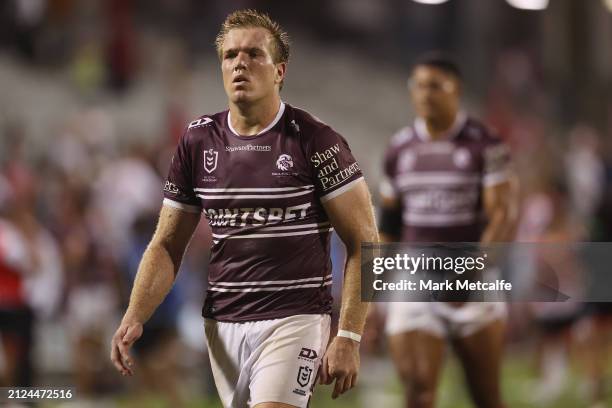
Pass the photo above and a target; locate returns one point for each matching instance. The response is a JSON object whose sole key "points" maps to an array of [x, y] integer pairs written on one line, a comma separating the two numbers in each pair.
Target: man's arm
{"points": [[158, 268], [390, 223], [352, 216], [500, 203]]}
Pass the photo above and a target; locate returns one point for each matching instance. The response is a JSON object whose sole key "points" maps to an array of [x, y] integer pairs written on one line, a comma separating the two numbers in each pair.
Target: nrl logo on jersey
{"points": [[210, 160]]}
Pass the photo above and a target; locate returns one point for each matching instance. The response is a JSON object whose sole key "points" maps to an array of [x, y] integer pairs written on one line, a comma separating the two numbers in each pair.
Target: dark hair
{"points": [[440, 60]]}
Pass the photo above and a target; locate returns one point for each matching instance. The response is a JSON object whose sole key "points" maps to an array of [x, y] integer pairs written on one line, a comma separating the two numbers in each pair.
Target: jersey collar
{"points": [[423, 133], [279, 114]]}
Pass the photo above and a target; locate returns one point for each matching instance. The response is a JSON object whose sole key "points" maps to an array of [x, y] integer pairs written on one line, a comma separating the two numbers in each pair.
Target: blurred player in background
{"points": [[447, 180], [16, 316], [272, 181]]}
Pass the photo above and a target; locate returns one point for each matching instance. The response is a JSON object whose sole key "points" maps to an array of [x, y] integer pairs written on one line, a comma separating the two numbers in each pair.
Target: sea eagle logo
{"points": [[284, 162], [210, 160]]}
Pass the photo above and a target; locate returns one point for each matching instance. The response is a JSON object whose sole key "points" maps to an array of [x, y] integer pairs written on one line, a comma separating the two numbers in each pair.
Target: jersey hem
{"points": [[259, 318], [493, 179]]}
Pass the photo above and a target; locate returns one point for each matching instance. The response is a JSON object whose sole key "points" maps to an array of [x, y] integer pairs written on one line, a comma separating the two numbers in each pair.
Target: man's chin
{"points": [[240, 97], [429, 114]]}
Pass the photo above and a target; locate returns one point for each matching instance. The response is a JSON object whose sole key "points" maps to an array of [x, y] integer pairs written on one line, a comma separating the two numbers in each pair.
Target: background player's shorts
{"points": [[268, 360], [441, 319]]}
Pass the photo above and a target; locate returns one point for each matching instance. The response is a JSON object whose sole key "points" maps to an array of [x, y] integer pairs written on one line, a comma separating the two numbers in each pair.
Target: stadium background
{"points": [[94, 93]]}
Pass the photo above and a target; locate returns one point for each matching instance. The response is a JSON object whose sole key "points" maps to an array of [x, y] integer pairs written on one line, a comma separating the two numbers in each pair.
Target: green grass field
{"points": [[383, 391]]}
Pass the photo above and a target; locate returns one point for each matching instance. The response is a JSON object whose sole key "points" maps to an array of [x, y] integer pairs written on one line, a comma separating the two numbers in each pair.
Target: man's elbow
{"points": [[366, 234], [162, 249]]}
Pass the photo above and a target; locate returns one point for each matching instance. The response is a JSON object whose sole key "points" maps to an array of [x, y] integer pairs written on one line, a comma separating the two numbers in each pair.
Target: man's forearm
{"points": [[497, 228], [153, 281], [353, 311]]}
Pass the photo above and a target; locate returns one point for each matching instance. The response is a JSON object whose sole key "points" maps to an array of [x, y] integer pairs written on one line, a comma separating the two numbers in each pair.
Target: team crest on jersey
{"points": [[303, 377], [210, 160], [462, 158], [284, 162]]}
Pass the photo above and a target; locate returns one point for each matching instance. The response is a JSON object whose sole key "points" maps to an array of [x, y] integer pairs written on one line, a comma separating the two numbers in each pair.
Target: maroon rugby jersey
{"points": [[439, 183], [262, 196]]}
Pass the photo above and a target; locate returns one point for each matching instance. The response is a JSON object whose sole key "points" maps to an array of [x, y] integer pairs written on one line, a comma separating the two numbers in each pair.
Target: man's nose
{"points": [[241, 61]]}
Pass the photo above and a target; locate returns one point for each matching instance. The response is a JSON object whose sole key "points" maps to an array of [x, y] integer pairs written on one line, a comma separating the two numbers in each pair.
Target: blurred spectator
{"points": [[585, 173]]}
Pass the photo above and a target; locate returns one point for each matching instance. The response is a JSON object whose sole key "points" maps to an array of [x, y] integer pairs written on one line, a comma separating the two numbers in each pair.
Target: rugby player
{"points": [[273, 182], [444, 175]]}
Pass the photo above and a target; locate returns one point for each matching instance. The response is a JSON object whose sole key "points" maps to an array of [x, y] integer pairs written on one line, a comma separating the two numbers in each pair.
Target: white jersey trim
{"points": [[493, 179], [420, 219], [387, 190], [340, 191], [184, 207], [253, 190], [282, 234], [425, 178], [240, 196], [453, 131], [277, 282], [301, 226], [272, 289], [279, 114]]}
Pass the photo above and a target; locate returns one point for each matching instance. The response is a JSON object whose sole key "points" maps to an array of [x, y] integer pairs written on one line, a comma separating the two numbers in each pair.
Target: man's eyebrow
{"points": [[246, 49]]}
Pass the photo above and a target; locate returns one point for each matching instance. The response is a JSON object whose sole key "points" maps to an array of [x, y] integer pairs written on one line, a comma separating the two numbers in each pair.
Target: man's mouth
{"points": [[240, 80]]}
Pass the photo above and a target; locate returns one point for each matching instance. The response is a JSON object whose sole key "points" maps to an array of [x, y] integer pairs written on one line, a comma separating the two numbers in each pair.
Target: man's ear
{"points": [[279, 73]]}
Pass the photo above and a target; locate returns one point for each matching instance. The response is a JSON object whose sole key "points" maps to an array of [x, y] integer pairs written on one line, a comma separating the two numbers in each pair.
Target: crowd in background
{"points": [[81, 187]]}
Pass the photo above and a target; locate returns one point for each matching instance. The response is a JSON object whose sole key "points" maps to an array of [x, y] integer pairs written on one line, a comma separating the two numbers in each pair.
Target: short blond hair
{"points": [[250, 18]]}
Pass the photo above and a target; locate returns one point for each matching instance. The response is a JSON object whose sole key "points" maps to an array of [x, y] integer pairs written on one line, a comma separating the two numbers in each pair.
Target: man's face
{"points": [[247, 63], [434, 92]]}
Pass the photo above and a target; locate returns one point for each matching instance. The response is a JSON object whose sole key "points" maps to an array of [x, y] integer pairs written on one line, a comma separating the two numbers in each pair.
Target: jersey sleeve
{"points": [[333, 165], [388, 188], [496, 162], [178, 188]]}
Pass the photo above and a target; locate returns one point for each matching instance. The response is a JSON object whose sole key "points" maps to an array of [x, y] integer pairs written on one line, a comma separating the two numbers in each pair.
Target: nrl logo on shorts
{"points": [[210, 160], [304, 374], [284, 162]]}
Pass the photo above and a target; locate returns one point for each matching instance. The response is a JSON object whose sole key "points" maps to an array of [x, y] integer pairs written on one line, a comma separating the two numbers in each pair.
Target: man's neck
{"points": [[439, 127], [250, 119]]}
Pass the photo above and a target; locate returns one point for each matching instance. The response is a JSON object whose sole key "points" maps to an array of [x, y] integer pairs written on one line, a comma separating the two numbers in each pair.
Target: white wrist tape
{"points": [[349, 334]]}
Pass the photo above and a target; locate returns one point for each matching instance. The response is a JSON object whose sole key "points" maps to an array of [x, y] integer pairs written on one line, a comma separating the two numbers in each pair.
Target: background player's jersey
{"points": [[262, 197], [440, 183], [14, 265]]}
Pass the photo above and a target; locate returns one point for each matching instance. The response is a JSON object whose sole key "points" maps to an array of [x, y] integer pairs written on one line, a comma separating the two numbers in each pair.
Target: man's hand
{"points": [[340, 362], [125, 336]]}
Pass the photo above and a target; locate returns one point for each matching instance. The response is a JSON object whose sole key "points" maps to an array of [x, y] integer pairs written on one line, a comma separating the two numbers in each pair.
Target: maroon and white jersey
{"points": [[262, 196], [439, 183]]}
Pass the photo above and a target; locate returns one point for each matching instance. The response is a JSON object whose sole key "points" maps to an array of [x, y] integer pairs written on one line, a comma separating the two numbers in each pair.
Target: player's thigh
{"points": [[416, 340], [481, 355], [274, 405], [418, 357], [288, 360]]}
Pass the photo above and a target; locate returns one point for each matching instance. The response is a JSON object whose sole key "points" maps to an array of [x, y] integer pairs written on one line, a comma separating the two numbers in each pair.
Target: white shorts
{"points": [[268, 360], [441, 319]]}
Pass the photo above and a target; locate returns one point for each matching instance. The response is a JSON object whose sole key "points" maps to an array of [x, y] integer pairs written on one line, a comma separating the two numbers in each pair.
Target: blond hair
{"points": [[251, 19]]}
